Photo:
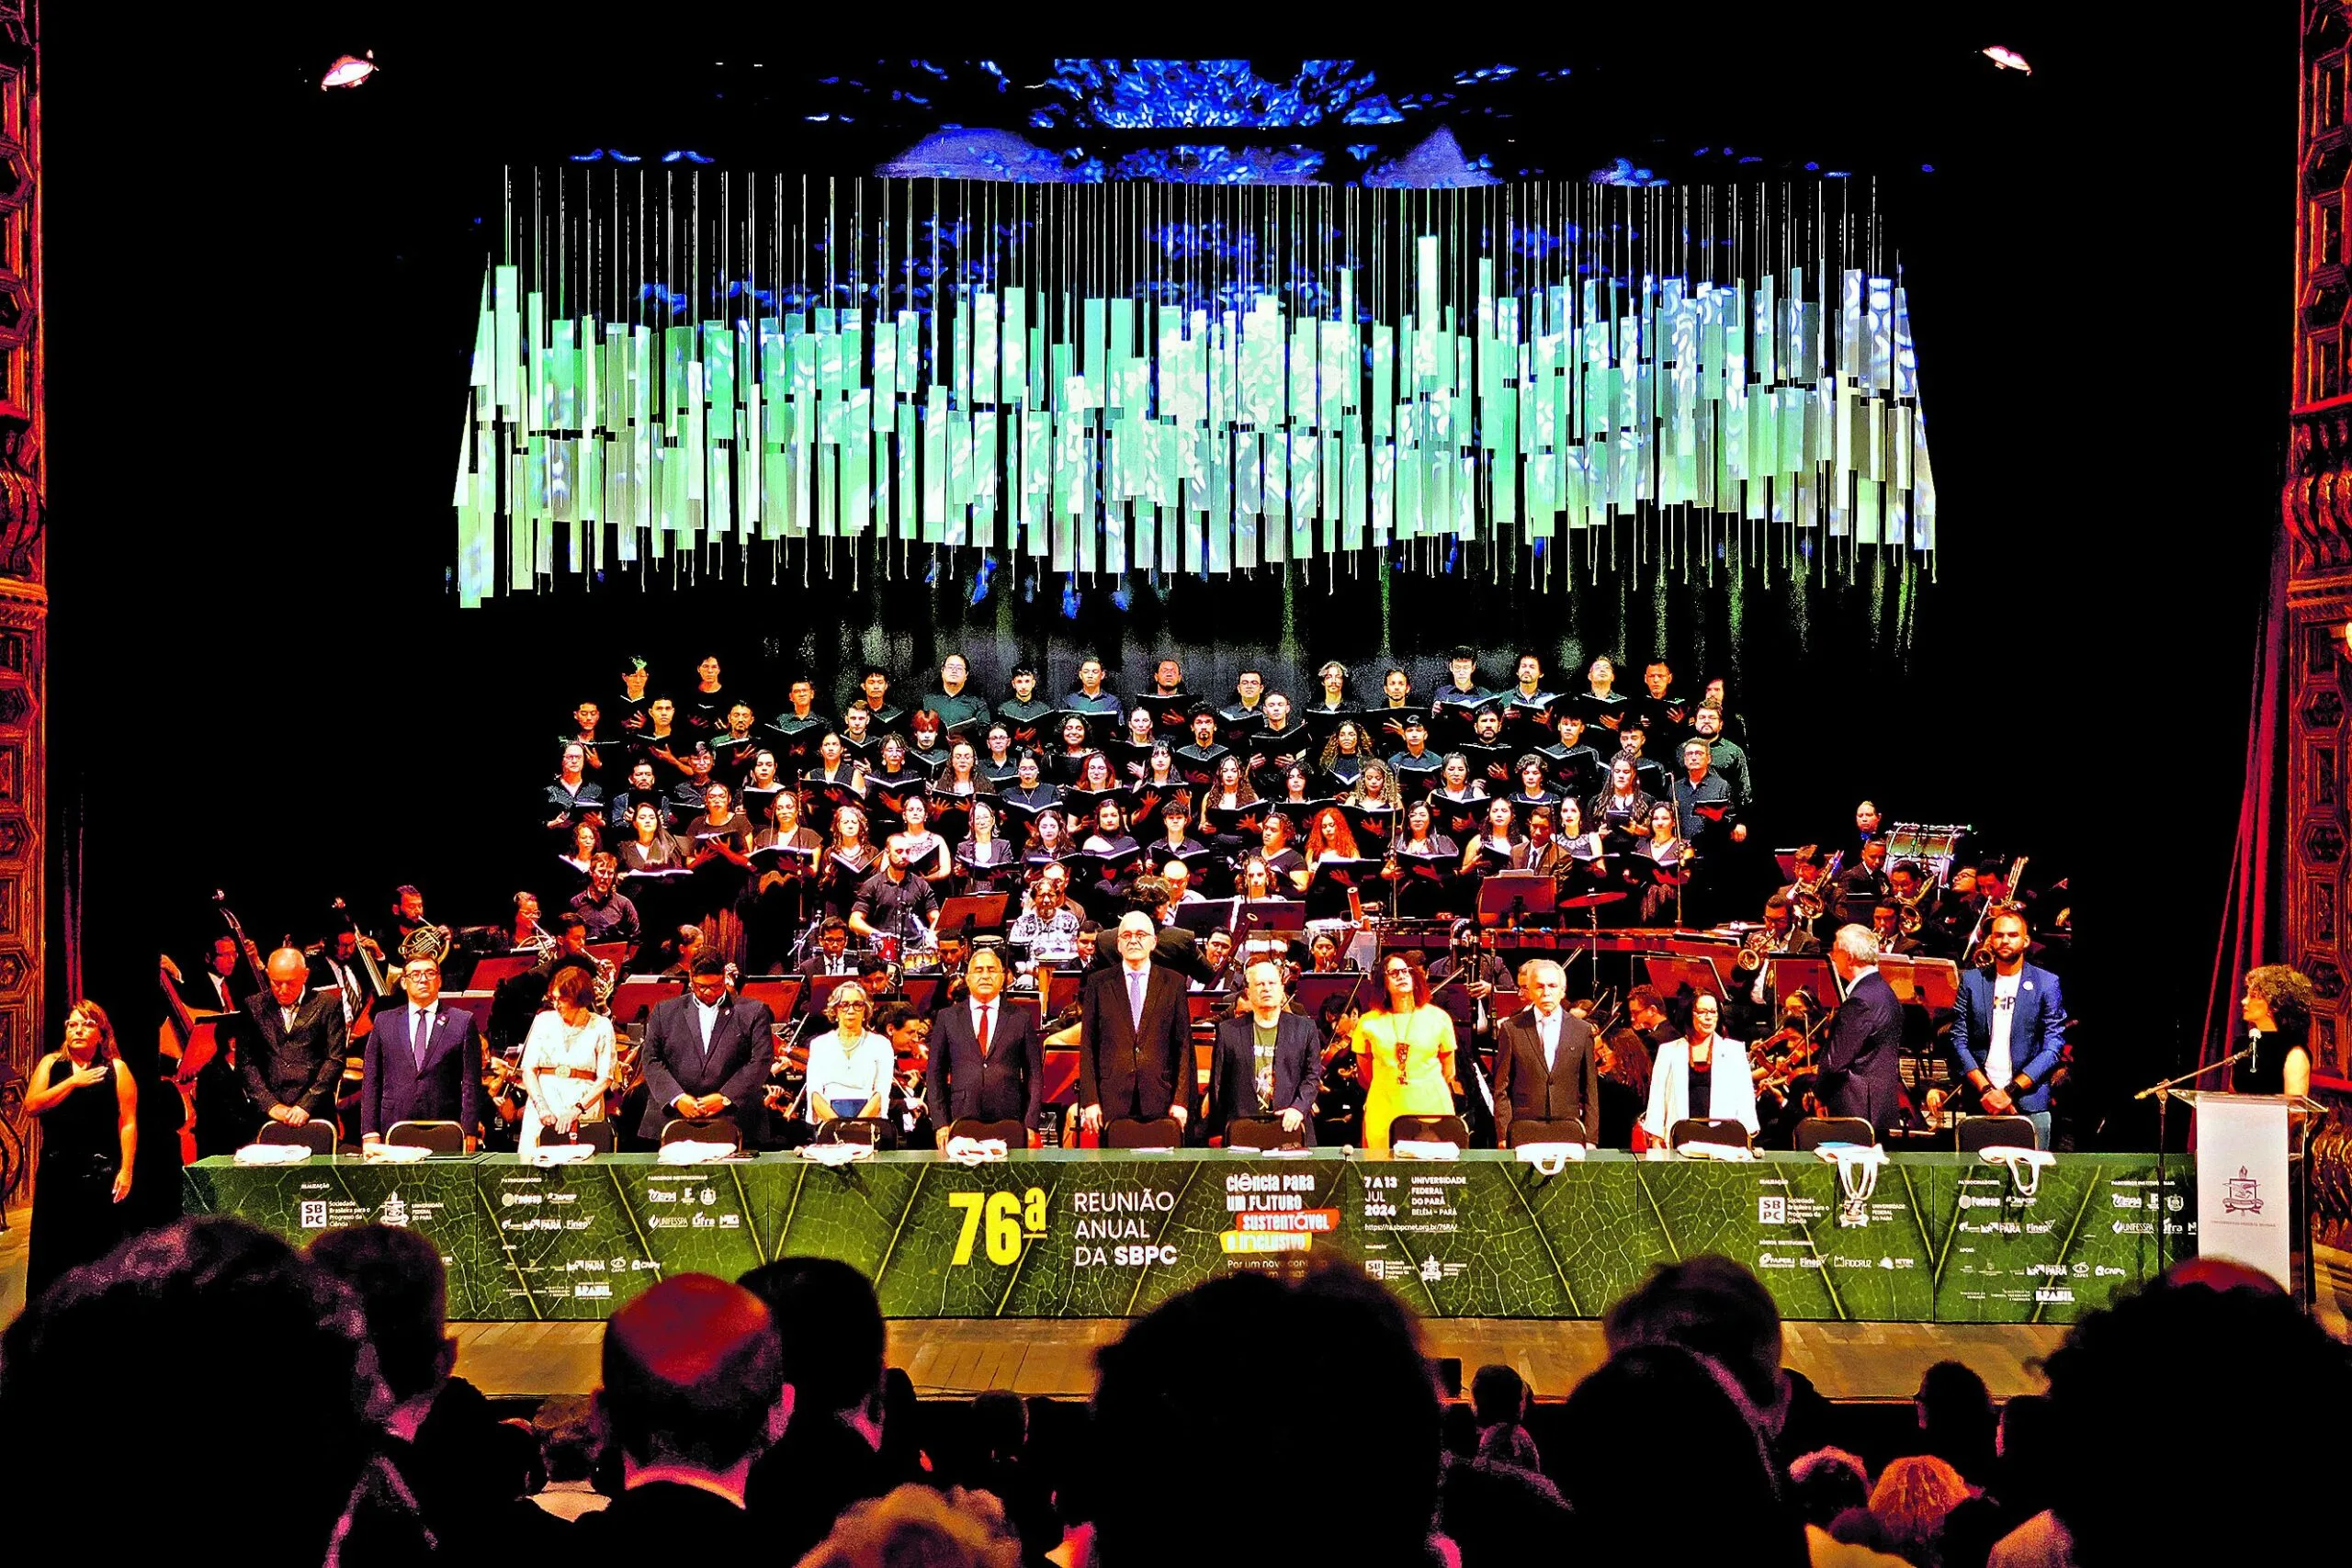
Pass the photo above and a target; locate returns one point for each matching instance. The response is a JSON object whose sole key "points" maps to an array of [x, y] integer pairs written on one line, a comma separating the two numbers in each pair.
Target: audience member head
{"points": [[1716, 1307], [1913, 1497], [919, 1526], [1652, 1417], [1826, 1483], [1184, 1391], [568, 1440], [833, 1333], [396, 1277], [694, 1377], [1458, 1429], [1499, 1394], [1000, 1424], [149, 1360], [1956, 1419], [2234, 1372]]}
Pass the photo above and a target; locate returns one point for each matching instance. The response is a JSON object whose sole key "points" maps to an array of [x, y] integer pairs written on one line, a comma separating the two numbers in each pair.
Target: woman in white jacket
{"points": [[1702, 1075]]}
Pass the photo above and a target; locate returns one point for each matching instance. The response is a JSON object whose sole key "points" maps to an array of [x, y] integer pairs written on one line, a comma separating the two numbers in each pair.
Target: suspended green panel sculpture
{"points": [[1195, 382]]}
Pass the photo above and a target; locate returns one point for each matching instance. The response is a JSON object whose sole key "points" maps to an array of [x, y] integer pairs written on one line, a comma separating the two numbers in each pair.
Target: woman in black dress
{"points": [[88, 1110]]}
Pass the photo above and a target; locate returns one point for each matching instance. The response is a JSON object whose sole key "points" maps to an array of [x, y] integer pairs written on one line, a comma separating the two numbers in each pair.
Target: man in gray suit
{"points": [[706, 1055], [423, 1062], [294, 1063]]}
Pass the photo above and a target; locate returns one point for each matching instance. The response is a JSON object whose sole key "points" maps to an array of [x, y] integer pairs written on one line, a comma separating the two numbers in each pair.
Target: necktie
{"points": [[985, 1010], [420, 1035], [1135, 1000]]}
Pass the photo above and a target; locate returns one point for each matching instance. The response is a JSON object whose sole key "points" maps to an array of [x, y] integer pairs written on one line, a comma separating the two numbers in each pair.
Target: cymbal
{"points": [[1591, 900]]}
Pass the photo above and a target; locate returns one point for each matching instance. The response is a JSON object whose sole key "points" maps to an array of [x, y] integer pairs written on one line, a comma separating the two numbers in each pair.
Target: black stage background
{"points": [[262, 302]]}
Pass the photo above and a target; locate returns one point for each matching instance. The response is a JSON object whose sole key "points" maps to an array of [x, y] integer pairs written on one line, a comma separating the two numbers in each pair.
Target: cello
{"points": [[185, 1043]]}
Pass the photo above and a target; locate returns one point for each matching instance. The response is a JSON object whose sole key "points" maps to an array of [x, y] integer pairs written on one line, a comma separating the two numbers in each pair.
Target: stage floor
{"points": [[950, 1357]]}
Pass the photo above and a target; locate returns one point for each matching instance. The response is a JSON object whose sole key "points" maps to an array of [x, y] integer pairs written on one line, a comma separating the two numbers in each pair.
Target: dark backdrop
{"points": [[262, 301]]}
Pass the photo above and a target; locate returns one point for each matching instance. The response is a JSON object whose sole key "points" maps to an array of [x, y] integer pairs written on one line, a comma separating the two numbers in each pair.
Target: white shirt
{"points": [[708, 1019], [1997, 1066], [1547, 1029], [564, 1072]]}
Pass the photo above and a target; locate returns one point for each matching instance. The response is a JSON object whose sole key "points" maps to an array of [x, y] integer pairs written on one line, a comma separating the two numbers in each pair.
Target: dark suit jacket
{"points": [[197, 992], [800, 1486], [1174, 946], [1233, 1069], [447, 1088], [650, 1523], [2037, 1031], [1858, 1074], [301, 1068], [1131, 1073], [742, 1045], [1525, 1088], [1008, 1086]]}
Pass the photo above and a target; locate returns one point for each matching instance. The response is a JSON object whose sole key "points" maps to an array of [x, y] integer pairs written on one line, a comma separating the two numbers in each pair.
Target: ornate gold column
{"points": [[24, 601]]}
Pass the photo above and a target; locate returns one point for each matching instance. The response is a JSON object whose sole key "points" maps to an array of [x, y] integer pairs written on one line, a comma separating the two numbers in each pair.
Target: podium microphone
{"points": [[2253, 1051]]}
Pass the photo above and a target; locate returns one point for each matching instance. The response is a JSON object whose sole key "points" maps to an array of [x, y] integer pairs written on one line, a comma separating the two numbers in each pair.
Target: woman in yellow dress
{"points": [[1404, 1053]]}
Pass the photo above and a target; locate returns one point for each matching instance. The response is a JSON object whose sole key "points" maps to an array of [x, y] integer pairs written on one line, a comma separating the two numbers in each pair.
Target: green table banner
{"points": [[1084, 1234]]}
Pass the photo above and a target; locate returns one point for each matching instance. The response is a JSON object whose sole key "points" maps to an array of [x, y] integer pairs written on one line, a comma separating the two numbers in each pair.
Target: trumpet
{"points": [[1912, 914]]}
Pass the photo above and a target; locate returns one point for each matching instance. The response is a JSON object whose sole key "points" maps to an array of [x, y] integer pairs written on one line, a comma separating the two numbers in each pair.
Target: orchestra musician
{"points": [[1886, 924], [2008, 1031], [335, 964], [894, 902], [707, 1056], [423, 1063], [1540, 851], [1861, 886], [609, 914], [1266, 1061], [1700, 1075], [988, 1060], [831, 956], [1047, 929]]}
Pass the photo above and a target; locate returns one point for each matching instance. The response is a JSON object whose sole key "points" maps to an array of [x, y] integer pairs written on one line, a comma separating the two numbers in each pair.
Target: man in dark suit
{"points": [[292, 1059], [1545, 1068], [706, 1055], [1291, 1074], [423, 1062], [223, 985], [693, 1393], [1135, 1043], [1858, 1072], [988, 1061]]}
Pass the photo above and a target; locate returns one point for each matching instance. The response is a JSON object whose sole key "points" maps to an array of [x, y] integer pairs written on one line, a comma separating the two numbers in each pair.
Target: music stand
{"points": [[1274, 917], [1669, 973], [1933, 983], [820, 989], [1313, 990], [1516, 895], [781, 992], [1208, 915], [1061, 990], [923, 992], [1806, 972], [973, 914]]}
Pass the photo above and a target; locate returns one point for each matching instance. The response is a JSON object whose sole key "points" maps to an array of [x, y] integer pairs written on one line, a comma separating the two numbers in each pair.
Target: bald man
{"points": [[1135, 1043], [294, 1061], [693, 1392]]}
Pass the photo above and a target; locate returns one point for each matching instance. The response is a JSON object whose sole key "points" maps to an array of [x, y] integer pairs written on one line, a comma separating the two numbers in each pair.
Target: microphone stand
{"points": [[2162, 1094]]}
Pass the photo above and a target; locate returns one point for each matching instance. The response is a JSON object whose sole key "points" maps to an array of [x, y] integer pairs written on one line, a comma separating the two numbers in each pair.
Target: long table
{"points": [[1095, 1233]]}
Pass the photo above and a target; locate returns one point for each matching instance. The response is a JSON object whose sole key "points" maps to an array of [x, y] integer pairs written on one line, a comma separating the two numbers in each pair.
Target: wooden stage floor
{"points": [[948, 1357]]}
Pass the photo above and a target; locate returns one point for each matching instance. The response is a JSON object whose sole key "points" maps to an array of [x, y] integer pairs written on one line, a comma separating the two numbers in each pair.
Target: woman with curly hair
{"points": [[2277, 1009]]}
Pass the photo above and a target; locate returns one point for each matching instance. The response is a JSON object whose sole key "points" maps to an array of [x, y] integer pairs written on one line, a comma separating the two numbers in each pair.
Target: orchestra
{"points": [[1277, 840]]}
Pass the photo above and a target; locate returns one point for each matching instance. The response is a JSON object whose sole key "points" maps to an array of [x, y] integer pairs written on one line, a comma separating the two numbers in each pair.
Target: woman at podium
{"points": [[2277, 1014]]}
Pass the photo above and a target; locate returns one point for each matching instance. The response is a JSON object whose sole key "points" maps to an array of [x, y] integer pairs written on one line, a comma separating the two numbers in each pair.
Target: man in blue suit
{"points": [[422, 1063], [1284, 1081], [706, 1055], [1859, 1075], [2011, 1030]]}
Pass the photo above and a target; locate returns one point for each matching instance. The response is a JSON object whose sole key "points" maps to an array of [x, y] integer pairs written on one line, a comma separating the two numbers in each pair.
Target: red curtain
{"points": [[2252, 929]]}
